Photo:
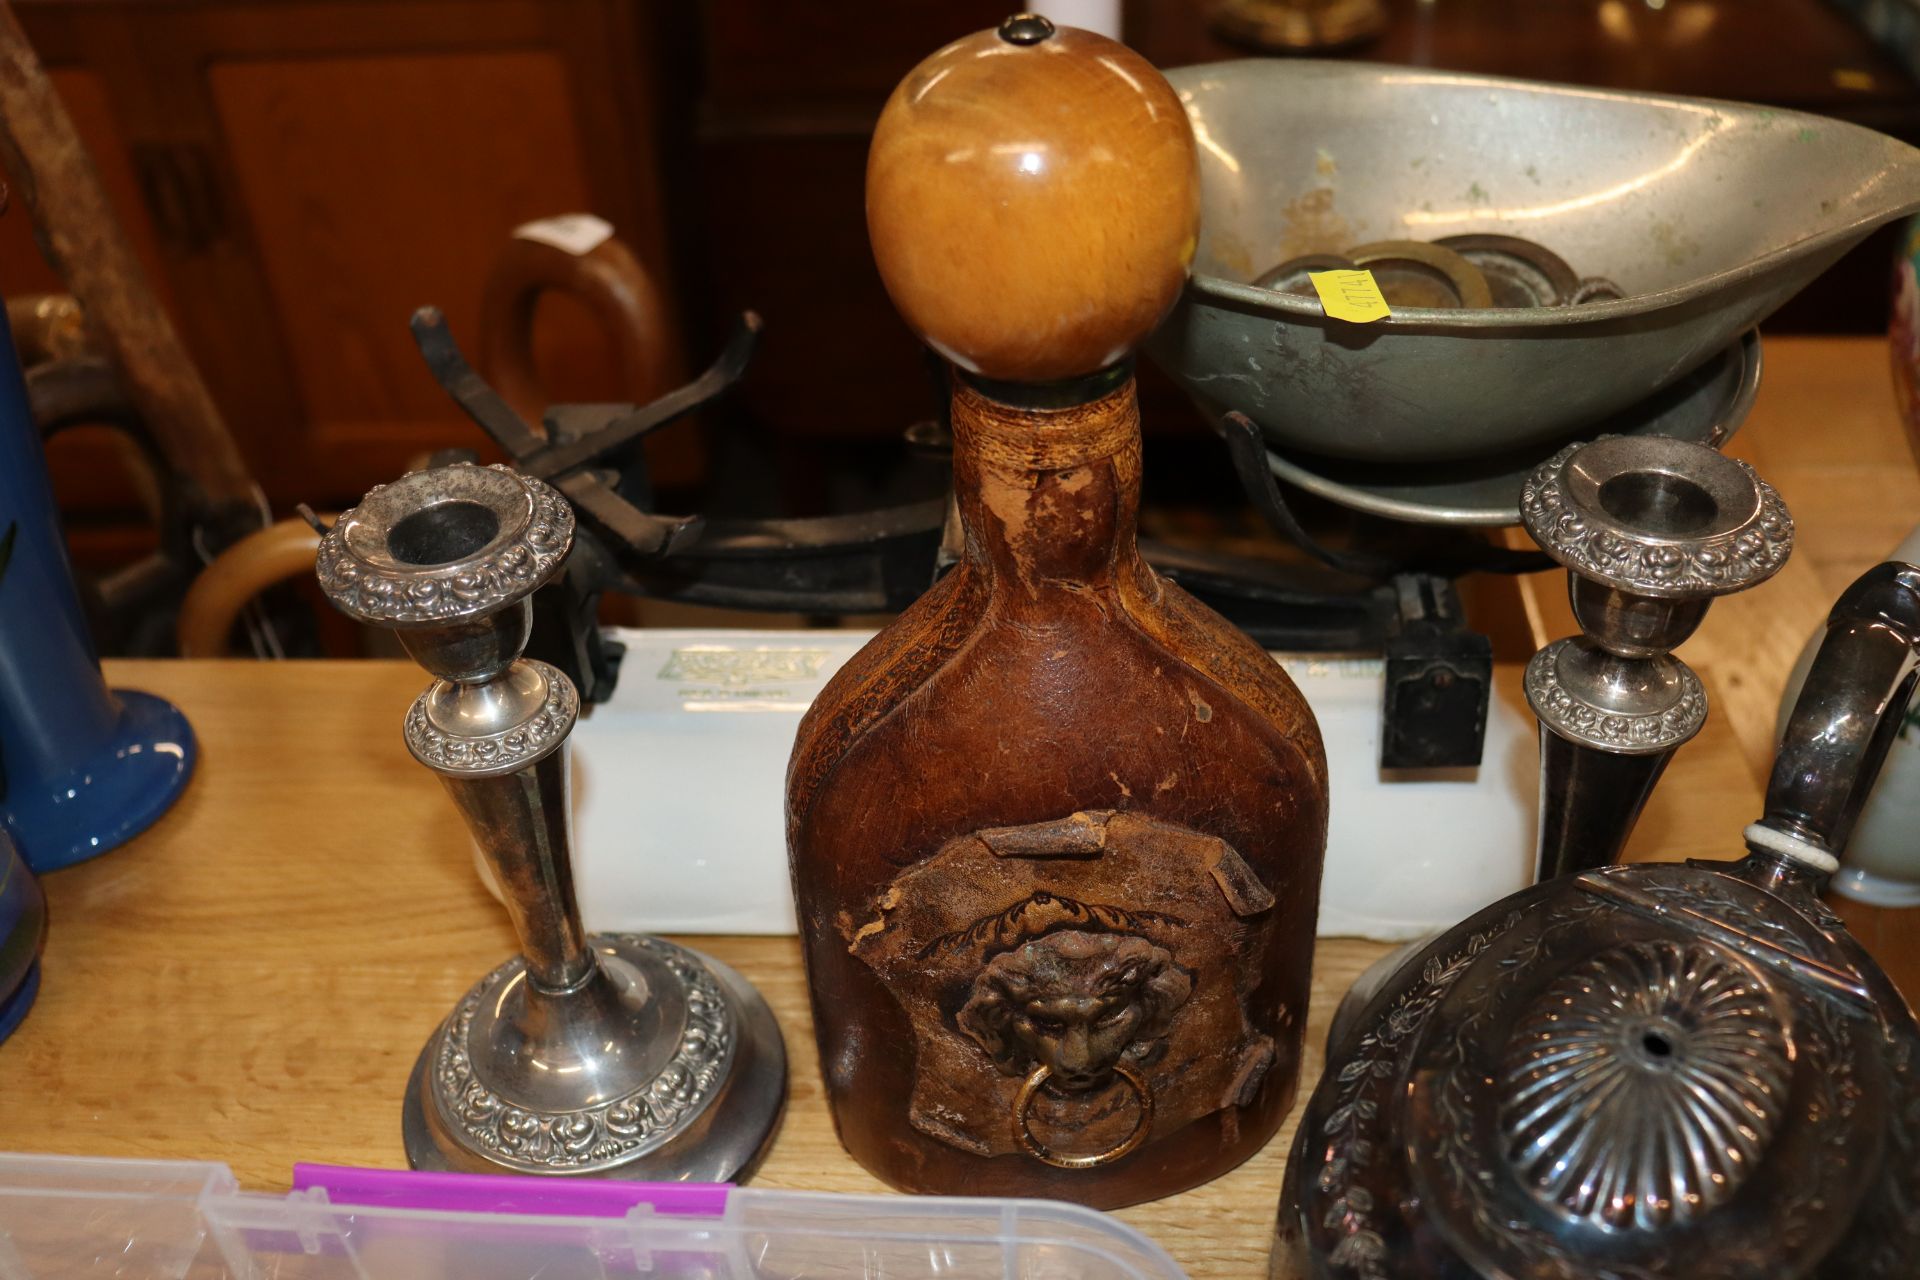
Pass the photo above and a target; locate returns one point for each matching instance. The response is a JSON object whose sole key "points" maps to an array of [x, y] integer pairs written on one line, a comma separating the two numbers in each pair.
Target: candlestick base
{"points": [[663, 1065]]}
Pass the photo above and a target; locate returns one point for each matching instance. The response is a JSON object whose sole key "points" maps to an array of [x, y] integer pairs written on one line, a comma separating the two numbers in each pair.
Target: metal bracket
{"points": [[872, 562], [1439, 673], [881, 561], [1439, 680]]}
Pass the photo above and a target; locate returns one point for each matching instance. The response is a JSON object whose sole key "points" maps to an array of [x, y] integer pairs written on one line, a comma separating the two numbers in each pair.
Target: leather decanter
{"points": [[1057, 832]]}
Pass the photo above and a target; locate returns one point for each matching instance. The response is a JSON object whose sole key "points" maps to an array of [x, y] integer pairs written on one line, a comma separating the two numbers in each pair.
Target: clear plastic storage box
{"points": [[75, 1218]]}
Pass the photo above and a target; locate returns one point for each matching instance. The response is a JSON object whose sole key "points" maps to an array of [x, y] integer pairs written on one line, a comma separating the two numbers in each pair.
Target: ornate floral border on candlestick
{"points": [[591, 1138], [1740, 557], [1577, 720], [502, 752], [530, 548]]}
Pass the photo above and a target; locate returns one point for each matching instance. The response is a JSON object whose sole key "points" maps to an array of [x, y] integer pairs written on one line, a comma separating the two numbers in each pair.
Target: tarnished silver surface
{"points": [[494, 728], [1708, 214], [1644, 1072], [715, 1144], [438, 546], [617, 1056], [1830, 751], [1681, 1052], [1706, 407], [645, 1091], [1436, 1120], [1653, 517], [1628, 706], [1651, 530]]}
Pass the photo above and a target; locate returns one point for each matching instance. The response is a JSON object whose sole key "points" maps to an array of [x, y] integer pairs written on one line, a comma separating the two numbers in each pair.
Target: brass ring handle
{"points": [[1039, 1150]]}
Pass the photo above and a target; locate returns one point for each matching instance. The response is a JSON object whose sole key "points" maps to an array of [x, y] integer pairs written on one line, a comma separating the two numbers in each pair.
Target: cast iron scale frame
{"points": [[1438, 671]]}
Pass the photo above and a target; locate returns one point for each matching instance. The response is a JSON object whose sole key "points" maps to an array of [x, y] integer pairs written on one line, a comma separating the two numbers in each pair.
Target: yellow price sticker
{"points": [[1349, 295]]}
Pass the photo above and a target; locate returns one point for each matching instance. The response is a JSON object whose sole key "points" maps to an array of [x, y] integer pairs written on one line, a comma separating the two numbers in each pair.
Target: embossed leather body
{"points": [[1056, 839]]}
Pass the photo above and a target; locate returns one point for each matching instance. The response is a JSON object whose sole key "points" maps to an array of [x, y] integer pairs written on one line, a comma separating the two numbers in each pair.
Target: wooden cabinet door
{"points": [[345, 161], [373, 184]]}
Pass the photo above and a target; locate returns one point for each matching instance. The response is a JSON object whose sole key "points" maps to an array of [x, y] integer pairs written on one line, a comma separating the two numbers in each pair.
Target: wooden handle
{"points": [[612, 283], [238, 574]]}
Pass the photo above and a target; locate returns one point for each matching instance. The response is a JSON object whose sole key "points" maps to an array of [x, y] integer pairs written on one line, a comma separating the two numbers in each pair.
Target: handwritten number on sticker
{"points": [[1352, 296]]}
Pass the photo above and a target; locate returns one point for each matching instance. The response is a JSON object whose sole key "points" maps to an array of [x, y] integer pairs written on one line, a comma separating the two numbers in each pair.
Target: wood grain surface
{"points": [[250, 980], [1033, 207]]}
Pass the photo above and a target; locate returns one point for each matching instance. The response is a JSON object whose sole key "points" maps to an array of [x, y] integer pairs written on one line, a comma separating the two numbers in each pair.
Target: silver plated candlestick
{"points": [[1650, 530], [615, 1055]]}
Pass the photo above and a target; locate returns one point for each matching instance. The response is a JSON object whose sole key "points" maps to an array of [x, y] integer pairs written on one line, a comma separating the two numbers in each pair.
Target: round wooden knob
{"points": [[1033, 200]]}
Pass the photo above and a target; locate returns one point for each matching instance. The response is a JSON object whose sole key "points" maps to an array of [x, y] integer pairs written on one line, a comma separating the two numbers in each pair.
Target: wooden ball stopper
{"points": [[1033, 200]]}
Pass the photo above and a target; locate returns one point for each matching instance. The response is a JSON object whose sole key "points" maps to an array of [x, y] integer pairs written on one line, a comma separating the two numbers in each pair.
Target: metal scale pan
{"points": [[1706, 407], [1708, 215]]}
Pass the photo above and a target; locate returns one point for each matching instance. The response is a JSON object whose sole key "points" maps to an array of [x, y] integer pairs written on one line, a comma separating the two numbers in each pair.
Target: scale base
{"points": [[722, 1142]]}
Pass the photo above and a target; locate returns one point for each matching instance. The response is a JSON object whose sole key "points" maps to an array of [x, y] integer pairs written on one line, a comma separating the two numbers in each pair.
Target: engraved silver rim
{"points": [[443, 545], [1657, 517], [488, 755], [1563, 711]]}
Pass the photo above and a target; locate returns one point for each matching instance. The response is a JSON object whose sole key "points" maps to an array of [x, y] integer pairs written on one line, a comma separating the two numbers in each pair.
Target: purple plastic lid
{"points": [[505, 1193]]}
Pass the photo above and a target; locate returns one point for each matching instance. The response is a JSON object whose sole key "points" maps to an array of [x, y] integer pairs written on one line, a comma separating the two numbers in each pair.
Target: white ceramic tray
{"points": [[679, 793]]}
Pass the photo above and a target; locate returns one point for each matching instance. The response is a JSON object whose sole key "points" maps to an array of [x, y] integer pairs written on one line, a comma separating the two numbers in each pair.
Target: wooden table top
{"points": [[250, 980]]}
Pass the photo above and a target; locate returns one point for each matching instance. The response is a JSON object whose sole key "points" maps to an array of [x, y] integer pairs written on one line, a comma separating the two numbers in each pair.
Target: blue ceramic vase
{"points": [[23, 926], [82, 767]]}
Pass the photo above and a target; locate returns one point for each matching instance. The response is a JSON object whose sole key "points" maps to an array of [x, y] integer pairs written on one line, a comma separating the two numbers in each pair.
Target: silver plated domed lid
{"points": [[1643, 1072], [1651, 1071]]}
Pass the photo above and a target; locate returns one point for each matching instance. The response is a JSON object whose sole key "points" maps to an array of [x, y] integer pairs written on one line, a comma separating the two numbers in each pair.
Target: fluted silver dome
{"points": [[1642, 1087]]}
